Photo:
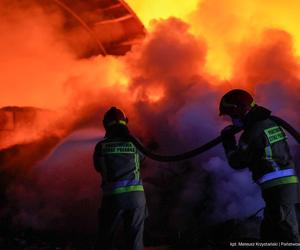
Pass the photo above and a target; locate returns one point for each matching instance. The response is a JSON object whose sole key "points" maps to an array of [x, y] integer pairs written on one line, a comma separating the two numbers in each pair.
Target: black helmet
{"points": [[114, 116], [236, 103]]}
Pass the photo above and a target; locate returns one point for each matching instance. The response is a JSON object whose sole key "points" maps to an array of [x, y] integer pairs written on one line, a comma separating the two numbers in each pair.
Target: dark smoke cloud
{"points": [[186, 117], [271, 70]]}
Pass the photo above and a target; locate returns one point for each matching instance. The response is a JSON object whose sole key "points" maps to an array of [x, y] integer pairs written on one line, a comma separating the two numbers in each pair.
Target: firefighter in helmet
{"points": [[263, 148], [118, 162]]}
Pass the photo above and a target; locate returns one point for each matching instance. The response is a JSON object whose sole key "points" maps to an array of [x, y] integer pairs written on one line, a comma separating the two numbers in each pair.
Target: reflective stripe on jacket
{"points": [[118, 161], [264, 150], [278, 177]]}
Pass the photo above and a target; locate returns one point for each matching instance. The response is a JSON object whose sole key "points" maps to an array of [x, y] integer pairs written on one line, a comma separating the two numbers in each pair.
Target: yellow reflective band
{"points": [[279, 181], [117, 122], [137, 167], [252, 104], [122, 122], [128, 189]]}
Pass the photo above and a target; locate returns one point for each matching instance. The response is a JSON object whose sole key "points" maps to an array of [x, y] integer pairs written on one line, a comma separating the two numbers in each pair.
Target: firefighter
{"points": [[263, 148], [118, 162]]}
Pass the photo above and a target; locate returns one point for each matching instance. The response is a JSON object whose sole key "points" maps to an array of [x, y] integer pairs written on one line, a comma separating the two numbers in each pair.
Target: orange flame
{"points": [[225, 25], [38, 68]]}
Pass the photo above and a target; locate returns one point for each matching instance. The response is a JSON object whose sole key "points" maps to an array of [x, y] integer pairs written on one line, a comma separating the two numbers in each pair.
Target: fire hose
{"points": [[205, 147]]}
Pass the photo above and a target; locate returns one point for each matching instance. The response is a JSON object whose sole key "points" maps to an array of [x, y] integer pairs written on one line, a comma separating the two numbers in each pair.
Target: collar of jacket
{"points": [[258, 113], [117, 131]]}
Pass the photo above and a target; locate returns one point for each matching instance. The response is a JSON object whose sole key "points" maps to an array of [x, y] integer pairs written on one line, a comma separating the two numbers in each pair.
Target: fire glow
{"points": [[169, 84]]}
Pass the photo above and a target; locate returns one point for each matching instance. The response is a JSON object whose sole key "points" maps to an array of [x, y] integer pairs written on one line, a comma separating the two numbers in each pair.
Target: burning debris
{"points": [[22, 124]]}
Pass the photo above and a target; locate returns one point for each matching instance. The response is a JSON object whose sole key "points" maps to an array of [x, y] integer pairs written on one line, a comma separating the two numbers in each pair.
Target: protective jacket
{"points": [[118, 161], [263, 149]]}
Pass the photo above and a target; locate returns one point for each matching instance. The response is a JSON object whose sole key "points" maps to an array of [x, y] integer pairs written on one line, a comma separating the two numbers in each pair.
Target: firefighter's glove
{"points": [[228, 138]]}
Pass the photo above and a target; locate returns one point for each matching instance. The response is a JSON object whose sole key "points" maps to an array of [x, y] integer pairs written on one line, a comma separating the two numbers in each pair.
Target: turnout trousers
{"points": [[110, 217], [280, 221]]}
